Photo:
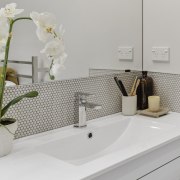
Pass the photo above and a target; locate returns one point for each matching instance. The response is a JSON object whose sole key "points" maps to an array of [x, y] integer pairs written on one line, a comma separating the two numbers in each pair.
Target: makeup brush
{"points": [[121, 86], [136, 86], [132, 90]]}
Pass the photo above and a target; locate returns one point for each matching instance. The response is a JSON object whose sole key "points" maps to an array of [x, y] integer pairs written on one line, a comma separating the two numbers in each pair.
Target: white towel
{"points": [[9, 83]]}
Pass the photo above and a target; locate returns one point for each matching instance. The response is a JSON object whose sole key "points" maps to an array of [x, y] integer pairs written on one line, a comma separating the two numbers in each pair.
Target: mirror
{"points": [[100, 35], [161, 36]]}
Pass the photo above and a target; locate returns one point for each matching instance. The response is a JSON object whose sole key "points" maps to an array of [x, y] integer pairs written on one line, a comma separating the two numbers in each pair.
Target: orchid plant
{"points": [[46, 32], [54, 48]]}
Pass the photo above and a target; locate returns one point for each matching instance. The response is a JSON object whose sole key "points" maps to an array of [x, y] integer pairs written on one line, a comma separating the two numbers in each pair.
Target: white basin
{"points": [[108, 136]]}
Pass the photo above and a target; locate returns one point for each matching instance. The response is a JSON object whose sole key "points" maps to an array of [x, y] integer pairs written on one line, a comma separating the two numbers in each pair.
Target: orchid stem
{"points": [[3, 75], [21, 18], [51, 76]]}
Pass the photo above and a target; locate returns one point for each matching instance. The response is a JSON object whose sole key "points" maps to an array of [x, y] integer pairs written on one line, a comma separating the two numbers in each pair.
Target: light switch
{"points": [[161, 54], [125, 53]]}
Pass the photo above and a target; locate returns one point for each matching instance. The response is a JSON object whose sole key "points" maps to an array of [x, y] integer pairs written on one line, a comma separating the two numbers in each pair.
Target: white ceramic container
{"points": [[129, 105], [6, 138]]}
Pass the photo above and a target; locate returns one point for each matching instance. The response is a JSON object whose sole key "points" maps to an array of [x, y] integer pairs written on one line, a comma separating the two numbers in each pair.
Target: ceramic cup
{"points": [[154, 103], [129, 105]]}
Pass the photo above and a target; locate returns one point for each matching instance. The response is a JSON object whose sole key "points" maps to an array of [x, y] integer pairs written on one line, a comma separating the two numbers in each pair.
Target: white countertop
{"points": [[24, 163]]}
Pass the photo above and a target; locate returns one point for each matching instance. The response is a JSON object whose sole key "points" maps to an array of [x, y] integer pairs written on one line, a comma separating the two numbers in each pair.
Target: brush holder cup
{"points": [[129, 105]]}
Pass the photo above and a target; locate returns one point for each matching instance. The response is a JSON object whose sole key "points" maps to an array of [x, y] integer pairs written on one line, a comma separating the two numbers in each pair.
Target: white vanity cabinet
{"points": [[161, 164], [169, 171]]}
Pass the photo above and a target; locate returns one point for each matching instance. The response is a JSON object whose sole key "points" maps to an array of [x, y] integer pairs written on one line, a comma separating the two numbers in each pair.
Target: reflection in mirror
{"points": [[100, 35], [17, 72], [161, 36]]}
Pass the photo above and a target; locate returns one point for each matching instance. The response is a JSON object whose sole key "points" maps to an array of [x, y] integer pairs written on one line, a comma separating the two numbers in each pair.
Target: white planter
{"points": [[6, 138]]}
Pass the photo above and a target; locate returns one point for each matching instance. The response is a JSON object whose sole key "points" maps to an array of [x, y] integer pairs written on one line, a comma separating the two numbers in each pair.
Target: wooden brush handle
{"points": [[133, 87], [136, 86]]}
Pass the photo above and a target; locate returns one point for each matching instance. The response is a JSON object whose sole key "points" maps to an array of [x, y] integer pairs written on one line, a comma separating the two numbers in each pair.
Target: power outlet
{"points": [[125, 53], [161, 54]]}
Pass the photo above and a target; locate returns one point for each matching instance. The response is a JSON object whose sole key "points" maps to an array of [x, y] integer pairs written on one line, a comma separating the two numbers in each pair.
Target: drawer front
{"points": [[169, 171]]}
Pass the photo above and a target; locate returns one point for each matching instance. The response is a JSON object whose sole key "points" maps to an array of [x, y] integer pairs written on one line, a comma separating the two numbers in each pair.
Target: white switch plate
{"points": [[125, 53], [161, 54]]}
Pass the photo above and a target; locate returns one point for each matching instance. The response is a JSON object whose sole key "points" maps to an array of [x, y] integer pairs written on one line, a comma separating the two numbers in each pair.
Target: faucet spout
{"points": [[93, 106]]}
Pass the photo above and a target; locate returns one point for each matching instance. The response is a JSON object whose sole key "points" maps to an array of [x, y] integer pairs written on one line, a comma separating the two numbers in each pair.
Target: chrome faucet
{"points": [[83, 105]]}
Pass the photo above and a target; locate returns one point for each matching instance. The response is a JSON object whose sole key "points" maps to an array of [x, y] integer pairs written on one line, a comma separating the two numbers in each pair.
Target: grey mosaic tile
{"points": [[55, 107], [167, 86]]}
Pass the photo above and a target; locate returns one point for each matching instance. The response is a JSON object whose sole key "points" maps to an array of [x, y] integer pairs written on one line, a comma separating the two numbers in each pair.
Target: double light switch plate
{"points": [[125, 53], [161, 54]]}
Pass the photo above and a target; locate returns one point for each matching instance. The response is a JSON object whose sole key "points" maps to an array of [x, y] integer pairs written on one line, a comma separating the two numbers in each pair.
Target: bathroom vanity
{"points": [[103, 39], [101, 151]]}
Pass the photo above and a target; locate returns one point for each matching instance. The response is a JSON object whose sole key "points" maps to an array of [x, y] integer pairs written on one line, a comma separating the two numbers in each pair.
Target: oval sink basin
{"points": [[102, 137]]}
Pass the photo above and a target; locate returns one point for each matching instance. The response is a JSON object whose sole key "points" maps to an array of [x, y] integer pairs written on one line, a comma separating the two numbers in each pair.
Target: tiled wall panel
{"points": [[167, 86], [55, 106]]}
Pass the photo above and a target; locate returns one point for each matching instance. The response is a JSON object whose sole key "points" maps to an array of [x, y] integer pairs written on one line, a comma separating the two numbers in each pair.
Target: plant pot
{"points": [[6, 138]]}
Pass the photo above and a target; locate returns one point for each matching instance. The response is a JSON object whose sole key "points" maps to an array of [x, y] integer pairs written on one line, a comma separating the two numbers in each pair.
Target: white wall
{"points": [[162, 29], [94, 31]]}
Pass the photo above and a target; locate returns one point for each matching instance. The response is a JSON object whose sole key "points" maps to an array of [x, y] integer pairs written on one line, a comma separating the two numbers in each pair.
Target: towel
{"points": [[9, 83], [11, 75]]}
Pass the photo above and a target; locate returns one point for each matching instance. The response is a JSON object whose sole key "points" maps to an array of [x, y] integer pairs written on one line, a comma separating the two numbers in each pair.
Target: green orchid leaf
{"points": [[31, 94], [7, 121]]}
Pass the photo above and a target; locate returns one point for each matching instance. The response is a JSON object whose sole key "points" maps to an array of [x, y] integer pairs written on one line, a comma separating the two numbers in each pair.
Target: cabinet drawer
{"points": [[169, 171]]}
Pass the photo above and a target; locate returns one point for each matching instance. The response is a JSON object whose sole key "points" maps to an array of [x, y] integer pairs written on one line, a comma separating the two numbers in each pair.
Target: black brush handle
{"points": [[121, 86]]}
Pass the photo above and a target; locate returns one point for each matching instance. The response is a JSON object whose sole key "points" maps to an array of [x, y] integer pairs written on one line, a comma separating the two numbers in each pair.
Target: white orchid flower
{"points": [[9, 11], [57, 68], [46, 24], [59, 63], [54, 49]]}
